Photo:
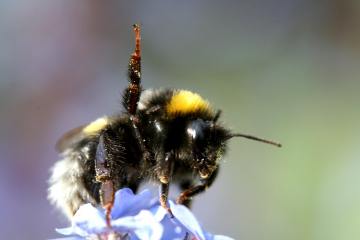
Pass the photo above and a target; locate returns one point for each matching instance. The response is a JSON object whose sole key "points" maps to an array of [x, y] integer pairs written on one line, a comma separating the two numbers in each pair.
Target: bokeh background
{"points": [[284, 70]]}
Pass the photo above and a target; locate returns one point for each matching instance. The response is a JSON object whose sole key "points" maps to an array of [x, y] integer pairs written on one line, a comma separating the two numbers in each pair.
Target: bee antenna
{"points": [[255, 138], [217, 115]]}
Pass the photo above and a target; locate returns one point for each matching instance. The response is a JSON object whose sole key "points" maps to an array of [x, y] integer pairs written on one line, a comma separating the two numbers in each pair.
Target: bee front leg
{"points": [[107, 198], [164, 175], [185, 185], [103, 176], [186, 195]]}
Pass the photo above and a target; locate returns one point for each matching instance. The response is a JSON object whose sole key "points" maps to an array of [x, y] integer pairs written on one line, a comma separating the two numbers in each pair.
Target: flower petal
{"points": [[86, 221], [186, 218], [65, 231], [159, 212], [139, 217], [128, 204], [173, 229], [143, 225]]}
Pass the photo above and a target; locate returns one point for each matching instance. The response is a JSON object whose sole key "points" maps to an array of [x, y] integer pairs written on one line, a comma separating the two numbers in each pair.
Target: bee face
{"points": [[208, 142]]}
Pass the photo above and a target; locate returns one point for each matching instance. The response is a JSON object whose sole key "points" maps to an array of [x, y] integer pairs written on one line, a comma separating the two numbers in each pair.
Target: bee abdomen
{"points": [[66, 186]]}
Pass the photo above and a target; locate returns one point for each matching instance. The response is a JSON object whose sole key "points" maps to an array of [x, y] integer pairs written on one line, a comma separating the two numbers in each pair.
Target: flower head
{"points": [[136, 217]]}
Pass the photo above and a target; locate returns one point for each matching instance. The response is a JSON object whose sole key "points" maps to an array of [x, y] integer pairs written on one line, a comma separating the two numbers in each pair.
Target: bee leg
{"points": [[164, 176], [132, 92], [184, 185], [164, 192], [139, 138], [187, 194], [103, 176], [107, 194]]}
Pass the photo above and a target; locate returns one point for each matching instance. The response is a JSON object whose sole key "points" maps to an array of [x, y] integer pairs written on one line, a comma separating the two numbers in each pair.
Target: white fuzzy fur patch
{"points": [[66, 190]]}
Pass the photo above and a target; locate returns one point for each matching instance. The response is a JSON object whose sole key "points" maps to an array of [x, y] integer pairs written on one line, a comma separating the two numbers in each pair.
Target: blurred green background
{"points": [[284, 70]]}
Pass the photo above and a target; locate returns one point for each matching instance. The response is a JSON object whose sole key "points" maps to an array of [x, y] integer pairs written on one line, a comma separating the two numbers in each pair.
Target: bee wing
{"points": [[78, 134], [70, 138]]}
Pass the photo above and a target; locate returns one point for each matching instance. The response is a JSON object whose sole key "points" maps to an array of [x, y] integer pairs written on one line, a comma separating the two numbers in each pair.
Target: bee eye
{"points": [[191, 132], [196, 129], [158, 126]]}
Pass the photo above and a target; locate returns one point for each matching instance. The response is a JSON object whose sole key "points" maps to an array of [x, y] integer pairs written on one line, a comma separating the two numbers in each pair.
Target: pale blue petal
{"points": [[173, 229], [128, 204], [86, 221], [186, 218], [65, 231], [89, 219], [143, 225], [159, 212], [141, 216]]}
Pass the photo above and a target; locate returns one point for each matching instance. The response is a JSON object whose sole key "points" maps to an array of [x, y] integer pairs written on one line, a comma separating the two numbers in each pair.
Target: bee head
{"points": [[207, 142]]}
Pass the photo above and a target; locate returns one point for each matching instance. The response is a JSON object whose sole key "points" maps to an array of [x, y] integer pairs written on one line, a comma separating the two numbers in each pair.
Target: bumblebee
{"points": [[165, 136]]}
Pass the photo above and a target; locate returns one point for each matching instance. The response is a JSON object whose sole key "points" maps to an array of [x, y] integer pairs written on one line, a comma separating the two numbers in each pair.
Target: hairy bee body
{"points": [[165, 136], [163, 130]]}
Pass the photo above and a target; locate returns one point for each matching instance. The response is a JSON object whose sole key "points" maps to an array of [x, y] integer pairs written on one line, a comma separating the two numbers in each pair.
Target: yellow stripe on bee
{"points": [[96, 125], [185, 102]]}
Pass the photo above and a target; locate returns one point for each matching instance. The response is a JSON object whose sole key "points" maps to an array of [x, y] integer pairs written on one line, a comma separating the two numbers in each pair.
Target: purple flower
{"points": [[136, 217], [184, 225]]}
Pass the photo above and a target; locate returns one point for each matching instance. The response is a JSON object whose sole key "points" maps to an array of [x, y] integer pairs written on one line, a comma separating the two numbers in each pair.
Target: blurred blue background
{"points": [[284, 70]]}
